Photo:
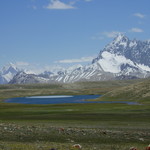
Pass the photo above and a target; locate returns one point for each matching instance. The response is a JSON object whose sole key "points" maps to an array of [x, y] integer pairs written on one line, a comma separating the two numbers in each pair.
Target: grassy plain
{"points": [[137, 92], [93, 126]]}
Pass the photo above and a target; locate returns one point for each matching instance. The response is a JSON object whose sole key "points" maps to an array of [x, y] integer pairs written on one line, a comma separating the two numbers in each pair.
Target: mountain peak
{"points": [[120, 38], [121, 59], [9, 68]]}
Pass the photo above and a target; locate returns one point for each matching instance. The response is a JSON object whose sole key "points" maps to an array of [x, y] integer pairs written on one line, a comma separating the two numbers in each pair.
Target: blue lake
{"points": [[61, 99]]}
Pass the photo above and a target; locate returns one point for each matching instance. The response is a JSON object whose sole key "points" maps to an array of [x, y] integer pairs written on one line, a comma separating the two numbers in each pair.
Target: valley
{"points": [[60, 126], [75, 75]]}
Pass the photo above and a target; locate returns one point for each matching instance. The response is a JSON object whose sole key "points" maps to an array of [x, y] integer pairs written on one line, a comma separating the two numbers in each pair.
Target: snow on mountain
{"points": [[72, 68], [8, 73], [23, 78], [91, 72], [143, 67], [9, 68], [135, 50], [112, 62], [120, 59], [27, 71], [2, 80]]}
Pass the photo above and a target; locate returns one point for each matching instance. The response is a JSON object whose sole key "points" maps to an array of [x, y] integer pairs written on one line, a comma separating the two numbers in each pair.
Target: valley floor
{"points": [[93, 126], [59, 127]]}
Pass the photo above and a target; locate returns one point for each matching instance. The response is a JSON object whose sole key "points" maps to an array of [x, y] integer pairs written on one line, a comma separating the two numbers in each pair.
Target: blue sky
{"points": [[45, 33]]}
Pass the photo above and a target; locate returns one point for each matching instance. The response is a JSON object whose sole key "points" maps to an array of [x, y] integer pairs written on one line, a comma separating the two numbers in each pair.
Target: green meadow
{"points": [[93, 126]]}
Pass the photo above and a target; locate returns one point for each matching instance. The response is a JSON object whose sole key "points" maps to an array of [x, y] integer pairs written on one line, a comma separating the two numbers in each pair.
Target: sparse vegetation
{"points": [[139, 92], [79, 88], [93, 126]]}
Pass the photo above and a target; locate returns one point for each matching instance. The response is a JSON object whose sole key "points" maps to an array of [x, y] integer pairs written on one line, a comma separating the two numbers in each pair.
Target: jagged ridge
{"points": [[121, 59]]}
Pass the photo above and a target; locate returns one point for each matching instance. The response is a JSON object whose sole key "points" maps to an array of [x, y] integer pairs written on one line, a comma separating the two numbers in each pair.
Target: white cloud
{"points": [[103, 35], [139, 15], [137, 30], [34, 7], [112, 34], [87, 0], [21, 63], [57, 4], [80, 60]]}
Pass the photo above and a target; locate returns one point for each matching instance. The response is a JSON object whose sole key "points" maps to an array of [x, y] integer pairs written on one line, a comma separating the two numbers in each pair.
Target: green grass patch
{"points": [[94, 126]]}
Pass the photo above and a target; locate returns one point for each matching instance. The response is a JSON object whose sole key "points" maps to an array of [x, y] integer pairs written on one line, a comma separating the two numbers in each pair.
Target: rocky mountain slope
{"points": [[23, 78], [7, 73], [121, 59]]}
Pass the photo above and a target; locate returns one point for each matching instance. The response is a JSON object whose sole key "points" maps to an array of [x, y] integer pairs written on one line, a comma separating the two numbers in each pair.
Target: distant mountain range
{"points": [[121, 59], [7, 73]]}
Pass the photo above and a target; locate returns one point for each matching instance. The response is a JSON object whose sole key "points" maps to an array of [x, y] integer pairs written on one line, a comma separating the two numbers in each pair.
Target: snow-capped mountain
{"points": [[7, 73], [120, 59], [135, 51], [23, 78]]}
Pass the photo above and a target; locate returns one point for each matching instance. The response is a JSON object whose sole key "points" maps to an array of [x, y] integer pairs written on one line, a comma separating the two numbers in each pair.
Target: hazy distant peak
{"points": [[9, 68]]}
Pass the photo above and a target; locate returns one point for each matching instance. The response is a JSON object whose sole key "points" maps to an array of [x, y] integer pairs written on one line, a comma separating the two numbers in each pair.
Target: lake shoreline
{"points": [[63, 99]]}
